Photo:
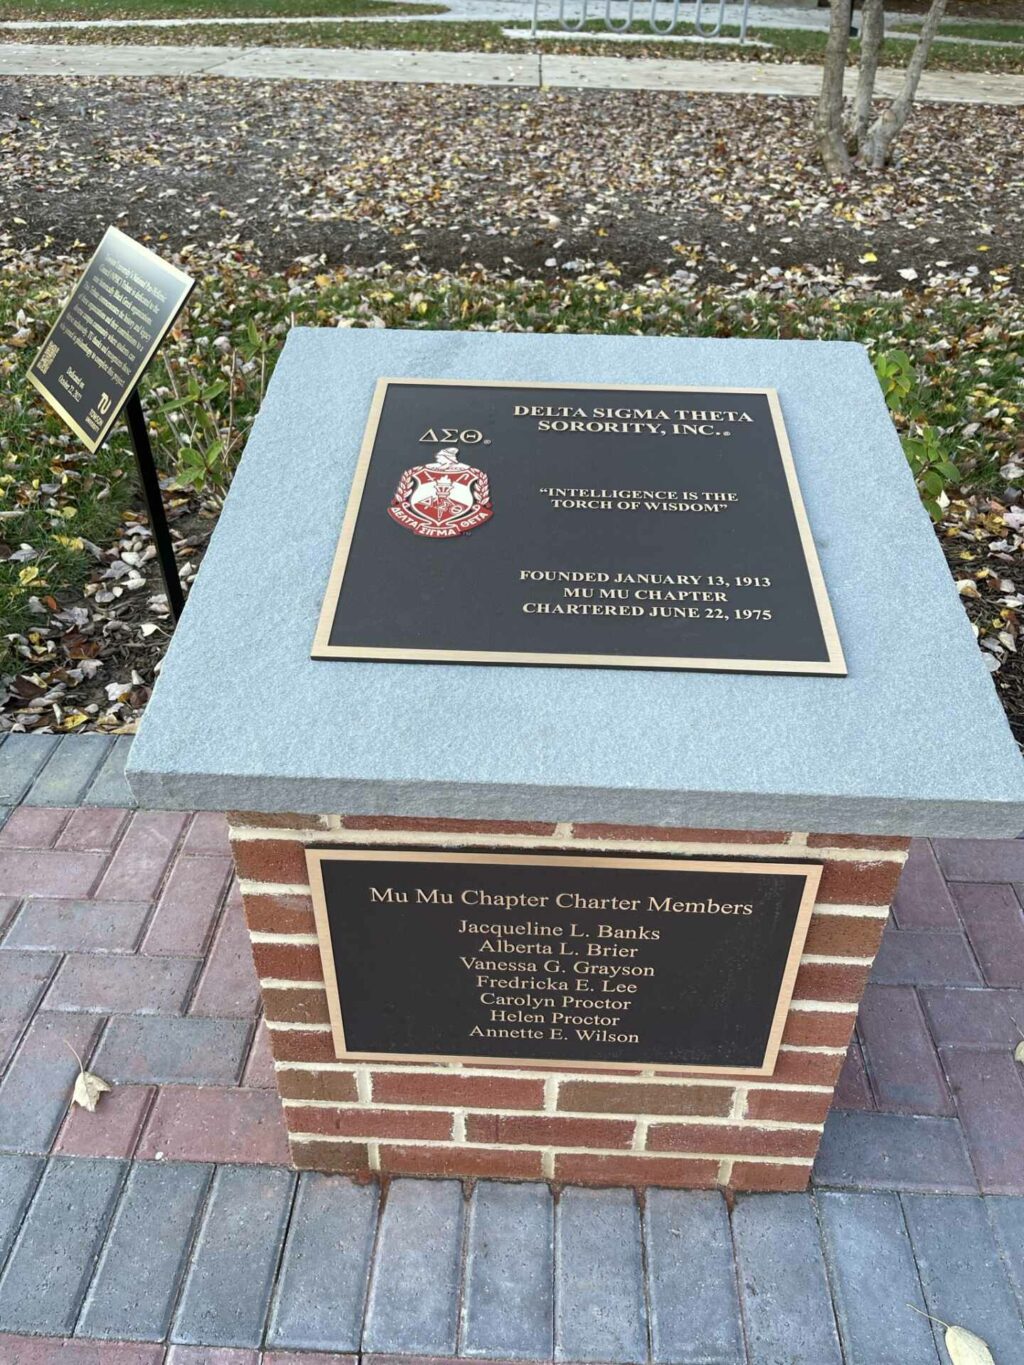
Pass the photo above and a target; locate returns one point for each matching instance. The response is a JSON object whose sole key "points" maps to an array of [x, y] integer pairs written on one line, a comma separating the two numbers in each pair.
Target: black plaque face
{"points": [[578, 525], [119, 312], [629, 962]]}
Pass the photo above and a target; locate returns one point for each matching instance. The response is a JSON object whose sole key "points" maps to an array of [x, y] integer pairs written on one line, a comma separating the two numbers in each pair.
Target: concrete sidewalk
{"points": [[121, 934], [479, 68]]}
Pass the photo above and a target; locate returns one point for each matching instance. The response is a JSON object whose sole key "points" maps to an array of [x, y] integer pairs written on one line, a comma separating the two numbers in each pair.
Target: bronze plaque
{"points": [[578, 524], [116, 317], [683, 964]]}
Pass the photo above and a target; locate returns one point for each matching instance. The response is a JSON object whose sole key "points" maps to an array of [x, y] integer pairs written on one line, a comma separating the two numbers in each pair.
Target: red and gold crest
{"points": [[442, 499]]}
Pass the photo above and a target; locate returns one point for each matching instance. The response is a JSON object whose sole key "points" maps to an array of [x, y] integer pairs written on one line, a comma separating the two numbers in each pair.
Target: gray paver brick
{"points": [[159, 1050], [64, 926], [962, 1273], [599, 1293], [49, 1268], [508, 1303], [21, 757], [874, 1278], [69, 771], [321, 1290], [23, 978], [18, 1177], [1006, 1214], [419, 1242], [109, 787], [862, 1151], [133, 1292], [694, 1305], [227, 1291], [783, 1283], [36, 1090], [118, 983]]}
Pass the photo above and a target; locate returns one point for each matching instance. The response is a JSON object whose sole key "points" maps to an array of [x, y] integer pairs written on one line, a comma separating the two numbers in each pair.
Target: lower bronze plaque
{"points": [[624, 527], [627, 962]]}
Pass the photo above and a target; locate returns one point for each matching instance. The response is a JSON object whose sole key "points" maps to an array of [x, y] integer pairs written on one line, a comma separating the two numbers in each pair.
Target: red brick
{"points": [[301, 1005], [429, 824], [859, 883], [762, 1175], [811, 1028], [600, 1097], [208, 835], [853, 1089], [807, 1068], [304, 1358], [301, 1045], [33, 827], [351, 1158], [318, 1085], [93, 827], [830, 981], [581, 1168], [211, 1355], [548, 1130], [66, 1351], [789, 1106], [113, 1130], [268, 914], [228, 987], [370, 1123], [731, 1140], [137, 868], [213, 1123], [187, 909], [259, 1069], [461, 1161], [57, 873], [288, 961], [844, 935], [879, 841], [276, 820], [457, 1091], [679, 834], [271, 860]]}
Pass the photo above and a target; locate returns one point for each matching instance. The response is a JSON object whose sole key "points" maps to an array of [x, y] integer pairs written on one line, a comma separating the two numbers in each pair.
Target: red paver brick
{"points": [[905, 1073], [925, 957], [49, 872], [990, 1100], [112, 1130], [93, 827], [259, 1069], [33, 827], [208, 835], [214, 1355], [213, 1123], [65, 1351], [137, 868], [994, 922], [188, 907], [852, 1089], [304, 1358], [229, 987], [922, 899]]}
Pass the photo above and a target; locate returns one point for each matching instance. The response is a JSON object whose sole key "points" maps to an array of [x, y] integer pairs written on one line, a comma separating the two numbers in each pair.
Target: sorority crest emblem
{"points": [[442, 499]]}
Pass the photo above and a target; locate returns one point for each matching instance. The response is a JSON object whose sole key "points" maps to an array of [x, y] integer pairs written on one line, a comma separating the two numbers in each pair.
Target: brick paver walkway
{"points": [[167, 1224]]}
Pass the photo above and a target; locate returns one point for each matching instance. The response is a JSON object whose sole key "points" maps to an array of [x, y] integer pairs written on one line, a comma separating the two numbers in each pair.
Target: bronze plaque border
{"points": [[187, 283], [835, 664], [811, 872]]}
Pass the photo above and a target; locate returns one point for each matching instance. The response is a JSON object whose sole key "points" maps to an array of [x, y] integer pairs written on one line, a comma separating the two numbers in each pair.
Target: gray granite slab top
{"points": [[913, 741]]}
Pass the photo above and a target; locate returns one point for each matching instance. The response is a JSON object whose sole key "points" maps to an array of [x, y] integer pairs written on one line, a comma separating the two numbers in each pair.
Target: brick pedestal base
{"points": [[543, 1122]]}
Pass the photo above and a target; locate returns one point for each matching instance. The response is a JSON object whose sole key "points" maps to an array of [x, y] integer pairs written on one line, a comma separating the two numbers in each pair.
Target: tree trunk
{"points": [[872, 32], [888, 125], [828, 121]]}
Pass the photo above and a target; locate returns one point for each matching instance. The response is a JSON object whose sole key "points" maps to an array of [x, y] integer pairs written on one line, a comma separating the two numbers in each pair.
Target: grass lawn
{"points": [[787, 45], [991, 30], [203, 9]]}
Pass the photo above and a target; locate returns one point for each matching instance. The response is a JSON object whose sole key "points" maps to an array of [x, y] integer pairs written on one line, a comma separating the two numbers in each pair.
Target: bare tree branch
{"points": [[872, 33], [889, 124], [828, 120]]}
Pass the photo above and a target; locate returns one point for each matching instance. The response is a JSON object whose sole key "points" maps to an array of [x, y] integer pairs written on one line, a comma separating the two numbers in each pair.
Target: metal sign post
{"points": [[154, 503]]}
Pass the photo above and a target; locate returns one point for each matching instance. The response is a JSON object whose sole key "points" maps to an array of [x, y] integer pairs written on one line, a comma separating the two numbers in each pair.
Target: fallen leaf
{"points": [[88, 1089], [1018, 1052], [966, 1349]]}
